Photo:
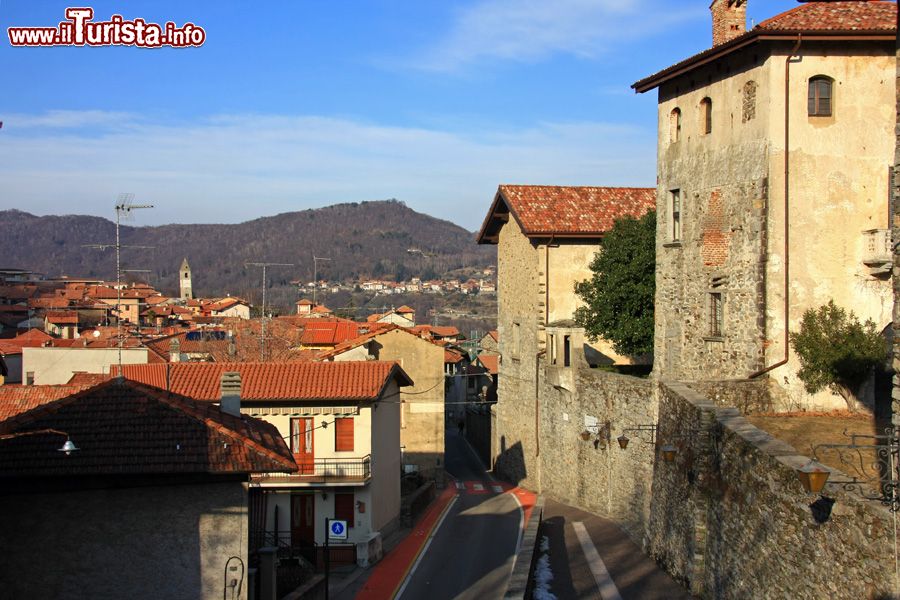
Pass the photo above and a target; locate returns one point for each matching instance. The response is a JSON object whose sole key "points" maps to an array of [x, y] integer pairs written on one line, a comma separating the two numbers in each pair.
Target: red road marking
{"points": [[388, 575]]}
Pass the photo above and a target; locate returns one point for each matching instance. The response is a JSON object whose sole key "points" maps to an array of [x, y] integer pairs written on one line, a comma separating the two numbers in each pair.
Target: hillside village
{"points": [[311, 453]]}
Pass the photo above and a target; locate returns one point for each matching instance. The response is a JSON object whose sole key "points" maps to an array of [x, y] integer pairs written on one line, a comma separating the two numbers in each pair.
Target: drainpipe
{"points": [[537, 415], [787, 189]]}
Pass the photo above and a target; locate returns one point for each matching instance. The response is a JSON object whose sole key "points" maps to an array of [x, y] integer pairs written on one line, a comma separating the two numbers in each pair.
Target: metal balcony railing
{"points": [[324, 471]]}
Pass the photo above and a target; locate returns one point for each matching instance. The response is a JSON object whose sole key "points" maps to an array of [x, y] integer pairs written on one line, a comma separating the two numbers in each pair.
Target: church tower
{"points": [[184, 281]]}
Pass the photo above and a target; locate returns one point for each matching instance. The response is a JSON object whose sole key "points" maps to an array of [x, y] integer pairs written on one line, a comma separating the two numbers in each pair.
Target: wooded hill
{"points": [[382, 239]]}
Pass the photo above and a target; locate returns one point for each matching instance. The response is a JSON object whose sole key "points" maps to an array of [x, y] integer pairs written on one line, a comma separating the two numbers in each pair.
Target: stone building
{"points": [[185, 291], [546, 237], [774, 154]]}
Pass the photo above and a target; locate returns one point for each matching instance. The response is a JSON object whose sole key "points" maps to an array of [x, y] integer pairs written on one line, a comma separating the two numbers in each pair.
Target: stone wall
{"points": [[597, 475], [730, 519], [168, 541], [750, 396]]}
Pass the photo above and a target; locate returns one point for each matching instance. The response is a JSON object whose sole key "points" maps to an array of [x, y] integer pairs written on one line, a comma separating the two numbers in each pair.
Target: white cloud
{"points": [[68, 119], [230, 168], [531, 30]]}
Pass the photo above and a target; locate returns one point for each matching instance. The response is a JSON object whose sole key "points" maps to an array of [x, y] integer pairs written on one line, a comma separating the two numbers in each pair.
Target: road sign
{"points": [[337, 530]]}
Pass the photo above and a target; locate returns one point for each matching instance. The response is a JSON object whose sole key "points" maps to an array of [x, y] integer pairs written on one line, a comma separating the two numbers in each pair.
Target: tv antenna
{"points": [[124, 207], [262, 327]]}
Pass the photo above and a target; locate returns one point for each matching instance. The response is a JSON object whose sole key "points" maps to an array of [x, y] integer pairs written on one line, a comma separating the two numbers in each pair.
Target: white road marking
{"points": [[424, 549], [608, 589]]}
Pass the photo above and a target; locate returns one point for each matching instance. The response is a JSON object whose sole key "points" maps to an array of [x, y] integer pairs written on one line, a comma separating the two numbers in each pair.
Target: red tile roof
{"points": [[352, 381], [88, 379], [404, 310], [48, 302], [491, 362], [319, 332], [67, 317], [16, 399], [126, 428], [544, 210], [452, 356], [836, 16], [863, 19], [33, 338]]}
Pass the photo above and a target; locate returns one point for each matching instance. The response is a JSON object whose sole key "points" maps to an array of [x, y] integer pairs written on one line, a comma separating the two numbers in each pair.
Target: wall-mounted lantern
{"points": [[668, 452], [813, 476], [641, 431], [623, 441]]}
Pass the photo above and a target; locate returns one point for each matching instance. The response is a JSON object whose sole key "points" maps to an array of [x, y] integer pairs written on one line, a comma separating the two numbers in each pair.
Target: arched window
{"points": [[675, 125], [706, 115], [820, 96]]}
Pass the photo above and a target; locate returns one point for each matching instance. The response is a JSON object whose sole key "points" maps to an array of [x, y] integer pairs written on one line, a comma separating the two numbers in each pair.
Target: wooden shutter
{"points": [[343, 508], [343, 434]]}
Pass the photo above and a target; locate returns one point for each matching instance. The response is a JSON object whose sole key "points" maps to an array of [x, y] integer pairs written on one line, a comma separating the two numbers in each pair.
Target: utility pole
{"points": [[316, 260], [262, 325]]}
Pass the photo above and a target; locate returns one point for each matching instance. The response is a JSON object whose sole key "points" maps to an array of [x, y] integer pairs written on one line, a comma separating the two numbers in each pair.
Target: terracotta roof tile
{"points": [[565, 211], [353, 381], [127, 428], [16, 399], [491, 362], [836, 16], [67, 317]]}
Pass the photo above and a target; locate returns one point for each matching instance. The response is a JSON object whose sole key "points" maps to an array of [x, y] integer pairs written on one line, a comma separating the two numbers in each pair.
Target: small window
{"points": [[567, 351], [706, 115], [820, 96], [675, 209], [29, 378], [343, 508], [517, 340], [552, 345], [715, 314], [343, 434], [749, 102], [675, 125]]}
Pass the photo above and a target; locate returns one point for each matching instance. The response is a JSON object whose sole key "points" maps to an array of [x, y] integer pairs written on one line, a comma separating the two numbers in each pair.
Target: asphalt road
{"points": [[471, 555]]}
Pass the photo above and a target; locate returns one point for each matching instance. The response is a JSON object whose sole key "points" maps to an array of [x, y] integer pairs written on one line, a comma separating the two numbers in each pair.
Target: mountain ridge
{"points": [[365, 239]]}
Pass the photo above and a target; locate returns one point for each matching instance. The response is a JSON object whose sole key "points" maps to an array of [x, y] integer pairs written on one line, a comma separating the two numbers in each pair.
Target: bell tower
{"points": [[184, 281]]}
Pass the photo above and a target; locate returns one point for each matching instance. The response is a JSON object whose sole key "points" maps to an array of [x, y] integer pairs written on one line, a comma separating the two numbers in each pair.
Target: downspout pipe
{"points": [[787, 190]]}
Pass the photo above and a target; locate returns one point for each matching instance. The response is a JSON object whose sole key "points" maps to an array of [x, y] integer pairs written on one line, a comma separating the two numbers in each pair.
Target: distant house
{"points": [[63, 324], [403, 317], [55, 364], [342, 423], [229, 307], [490, 342], [157, 508], [422, 412], [307, 308], [11, 351]]}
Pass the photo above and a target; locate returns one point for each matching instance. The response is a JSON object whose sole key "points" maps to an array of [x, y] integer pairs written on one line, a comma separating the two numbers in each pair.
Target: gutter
{"points": [[787, 190]]}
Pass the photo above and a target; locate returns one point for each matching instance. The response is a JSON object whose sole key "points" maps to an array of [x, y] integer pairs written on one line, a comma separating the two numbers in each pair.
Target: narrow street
{"points": [[471, 554]]}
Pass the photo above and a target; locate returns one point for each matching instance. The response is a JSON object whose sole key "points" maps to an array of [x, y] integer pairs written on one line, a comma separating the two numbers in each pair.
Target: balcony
{"points": [[321, 472], [878, 252]]}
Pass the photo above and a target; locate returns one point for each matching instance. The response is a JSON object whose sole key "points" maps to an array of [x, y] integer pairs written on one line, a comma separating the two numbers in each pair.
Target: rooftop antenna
{"points": [[124, 207], [262, 332]]}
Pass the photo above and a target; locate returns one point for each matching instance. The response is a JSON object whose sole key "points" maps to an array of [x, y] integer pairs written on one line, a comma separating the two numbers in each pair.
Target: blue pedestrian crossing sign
{"points": [[337, 530]]}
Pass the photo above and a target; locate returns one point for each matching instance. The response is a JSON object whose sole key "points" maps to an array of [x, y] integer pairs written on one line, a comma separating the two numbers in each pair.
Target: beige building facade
{"points": [[774, 158], [546, 237]]}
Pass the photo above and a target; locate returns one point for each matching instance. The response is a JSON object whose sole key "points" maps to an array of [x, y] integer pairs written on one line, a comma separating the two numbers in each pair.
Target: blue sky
{"points": [[299, 104]]}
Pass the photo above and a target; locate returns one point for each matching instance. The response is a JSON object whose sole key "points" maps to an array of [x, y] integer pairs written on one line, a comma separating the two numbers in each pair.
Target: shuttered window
{"points": [[343, 434], [820, 97], [343, 508]]}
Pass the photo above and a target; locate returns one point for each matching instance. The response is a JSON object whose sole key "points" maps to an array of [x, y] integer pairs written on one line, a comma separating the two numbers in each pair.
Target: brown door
{"points": [[303, 518], [302, 445]]}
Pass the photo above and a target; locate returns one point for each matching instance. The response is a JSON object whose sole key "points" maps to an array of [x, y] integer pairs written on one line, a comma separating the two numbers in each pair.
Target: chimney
{"points": [[230, 402], [729, 19], [232, 347], [174, 351]]}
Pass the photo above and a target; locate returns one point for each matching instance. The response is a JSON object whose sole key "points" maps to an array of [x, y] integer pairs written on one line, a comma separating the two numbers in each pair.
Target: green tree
{"points": [[837, 351], [619, 296]]}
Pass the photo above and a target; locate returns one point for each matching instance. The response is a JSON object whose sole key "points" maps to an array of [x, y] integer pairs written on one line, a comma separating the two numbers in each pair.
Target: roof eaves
{"points": [[751, 37]]}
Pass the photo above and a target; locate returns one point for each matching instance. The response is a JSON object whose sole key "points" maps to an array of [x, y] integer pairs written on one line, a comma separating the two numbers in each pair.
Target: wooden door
{"points": [[303, 519], [302, 445]]}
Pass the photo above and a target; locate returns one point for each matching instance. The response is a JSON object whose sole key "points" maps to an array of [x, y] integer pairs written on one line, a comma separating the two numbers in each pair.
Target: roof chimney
{"points": [[230, 402], [174, 350], [729, 19]]}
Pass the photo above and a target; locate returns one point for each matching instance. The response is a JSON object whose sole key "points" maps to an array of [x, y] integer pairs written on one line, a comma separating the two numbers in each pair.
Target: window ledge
{"points": [[672, 245], [713, 338]]}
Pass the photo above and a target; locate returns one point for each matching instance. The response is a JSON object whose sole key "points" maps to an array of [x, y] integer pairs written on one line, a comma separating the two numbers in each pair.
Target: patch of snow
{"points": [[542, 574]]}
